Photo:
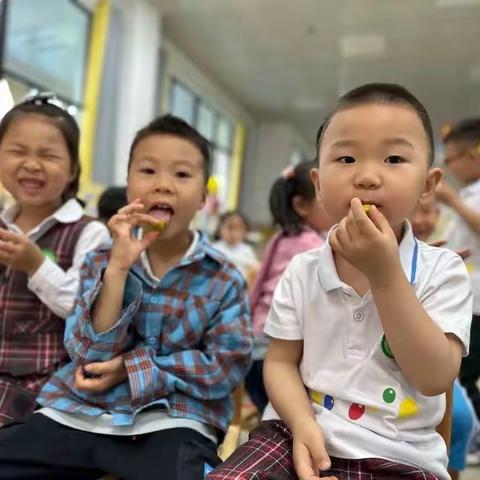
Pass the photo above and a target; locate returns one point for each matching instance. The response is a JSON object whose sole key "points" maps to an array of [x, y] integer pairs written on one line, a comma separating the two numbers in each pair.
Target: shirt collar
{"points": [[69, 212], [408, 251], [198, 249]]}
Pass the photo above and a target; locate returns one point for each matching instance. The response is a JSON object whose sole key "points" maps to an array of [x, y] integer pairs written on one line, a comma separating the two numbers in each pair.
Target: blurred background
{"points": [[256, 77]]}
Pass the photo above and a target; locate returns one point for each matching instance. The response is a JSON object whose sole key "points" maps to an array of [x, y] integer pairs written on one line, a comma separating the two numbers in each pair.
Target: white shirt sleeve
{"points": [[283, 319], [57, 288], [448, 298]]}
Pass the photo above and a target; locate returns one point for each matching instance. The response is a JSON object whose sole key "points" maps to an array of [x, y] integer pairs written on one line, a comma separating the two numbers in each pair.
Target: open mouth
{"points": [[31, 183], [163, 212]]}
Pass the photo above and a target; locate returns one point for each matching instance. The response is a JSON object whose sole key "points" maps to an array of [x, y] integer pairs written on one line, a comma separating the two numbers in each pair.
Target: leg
{"points": [[176, 454], [44, 449], [266, 456], [462, 427], [255, 387]]}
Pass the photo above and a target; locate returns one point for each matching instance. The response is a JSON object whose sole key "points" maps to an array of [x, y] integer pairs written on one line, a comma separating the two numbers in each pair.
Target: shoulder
{"points": [[437, 263]]}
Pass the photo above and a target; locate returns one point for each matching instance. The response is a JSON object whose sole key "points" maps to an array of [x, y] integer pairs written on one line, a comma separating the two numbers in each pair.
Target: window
{"points": [[213, 125], [47, 46]]}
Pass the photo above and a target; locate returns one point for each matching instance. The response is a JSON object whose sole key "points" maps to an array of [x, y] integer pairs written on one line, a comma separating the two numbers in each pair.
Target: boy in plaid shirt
{"points": [[159, 338]]}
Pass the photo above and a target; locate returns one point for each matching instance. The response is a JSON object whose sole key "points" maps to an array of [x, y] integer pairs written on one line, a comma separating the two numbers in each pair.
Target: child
{"points": [[302, 223], [44, 238], [159, 339], [424, 219], [111, 200], [462, 158], [230, 240], [368, 331]]}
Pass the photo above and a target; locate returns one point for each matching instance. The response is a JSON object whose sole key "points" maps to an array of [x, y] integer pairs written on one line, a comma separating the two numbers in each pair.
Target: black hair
{"points": [[225, 216], [171, 125], [296, 182], [387, 94], [62, 120], [466, 131], [110, 201]]}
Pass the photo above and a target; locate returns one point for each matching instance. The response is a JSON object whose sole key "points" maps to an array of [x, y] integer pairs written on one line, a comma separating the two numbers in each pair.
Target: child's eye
{"points": [[147, 171], [346, 159], [394, 159], [183, 174], [51, 156], [15, 151]]}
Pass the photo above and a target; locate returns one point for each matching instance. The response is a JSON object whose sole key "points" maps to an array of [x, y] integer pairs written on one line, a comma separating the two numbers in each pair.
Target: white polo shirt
{"points": [[364, 403], [460, 235]]}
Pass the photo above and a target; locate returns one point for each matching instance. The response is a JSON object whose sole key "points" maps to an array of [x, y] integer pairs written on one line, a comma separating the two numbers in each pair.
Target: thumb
{"points": [[377, 217], [96, 368]]}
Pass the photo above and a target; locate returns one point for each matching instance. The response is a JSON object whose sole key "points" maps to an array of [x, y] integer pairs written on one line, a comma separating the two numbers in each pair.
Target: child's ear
{"points": [[314, 175], [434, 177], [204, 198]]}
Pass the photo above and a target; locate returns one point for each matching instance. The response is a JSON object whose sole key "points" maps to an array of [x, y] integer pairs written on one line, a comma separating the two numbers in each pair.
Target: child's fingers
{"points": [[8, 236], [342, 235], [378, 219], [135, 206], [7, 247], [319, 455], [303, 463], [148, 238]]}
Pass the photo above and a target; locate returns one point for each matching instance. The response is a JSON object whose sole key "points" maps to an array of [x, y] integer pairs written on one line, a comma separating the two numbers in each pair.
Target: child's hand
{"points": [[100, 377], [18, 252], [309, 454], [126, 249], [446, 193], [366, 241]]}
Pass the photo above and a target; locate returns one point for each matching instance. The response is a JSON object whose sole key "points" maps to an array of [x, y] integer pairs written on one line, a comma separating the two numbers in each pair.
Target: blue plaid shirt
{"points": [[186, 341]]}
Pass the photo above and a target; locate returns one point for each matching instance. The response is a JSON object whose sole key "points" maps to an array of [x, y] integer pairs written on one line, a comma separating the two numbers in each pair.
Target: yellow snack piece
{"points": [[159, 226], [366, 207]]}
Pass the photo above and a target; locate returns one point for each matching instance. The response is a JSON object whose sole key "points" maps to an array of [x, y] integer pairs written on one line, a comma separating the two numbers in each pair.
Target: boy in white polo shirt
{"points": [[462, 158], [368, 331]]}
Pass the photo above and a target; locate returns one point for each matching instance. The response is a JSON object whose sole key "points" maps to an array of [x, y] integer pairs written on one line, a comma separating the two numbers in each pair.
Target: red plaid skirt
{"points": [[268, 456]]}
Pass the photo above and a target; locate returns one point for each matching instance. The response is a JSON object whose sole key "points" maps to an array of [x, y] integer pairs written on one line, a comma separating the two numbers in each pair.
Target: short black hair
{"points": [[387, 94], [296, 181], [110, 201], [172, 125], [466, 131], [62, 120]]}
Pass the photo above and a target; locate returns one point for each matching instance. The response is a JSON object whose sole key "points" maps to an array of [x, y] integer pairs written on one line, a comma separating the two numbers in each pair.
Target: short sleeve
{"points": [[283, 319], [448, 297]]}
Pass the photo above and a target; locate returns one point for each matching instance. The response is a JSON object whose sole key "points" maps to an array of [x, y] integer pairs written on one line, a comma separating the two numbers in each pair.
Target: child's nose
{"points": [[31, 164], [368, 178]]}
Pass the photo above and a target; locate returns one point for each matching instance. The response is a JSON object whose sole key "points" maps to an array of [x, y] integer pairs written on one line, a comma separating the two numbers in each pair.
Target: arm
{"points": [[209, 372], [429, 358], [98, 330], [449, 196], [58, 288], [285, 387]]}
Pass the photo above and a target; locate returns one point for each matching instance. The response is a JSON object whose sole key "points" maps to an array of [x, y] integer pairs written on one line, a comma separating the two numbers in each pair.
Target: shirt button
{"points": [[358, 316], [152, 340]]}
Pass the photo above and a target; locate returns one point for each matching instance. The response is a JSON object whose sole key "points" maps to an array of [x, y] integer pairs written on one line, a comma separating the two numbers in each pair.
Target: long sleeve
{"points": [[57, 288], [210, 372], [81, 341]]}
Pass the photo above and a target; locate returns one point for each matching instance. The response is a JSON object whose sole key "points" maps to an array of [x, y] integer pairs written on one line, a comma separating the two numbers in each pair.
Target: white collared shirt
{"points": [[57, 288], [364, 403], [460, 236]]}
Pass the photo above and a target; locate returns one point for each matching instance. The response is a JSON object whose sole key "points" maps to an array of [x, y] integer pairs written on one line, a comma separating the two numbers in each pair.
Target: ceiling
{"points": [[289, 60]]}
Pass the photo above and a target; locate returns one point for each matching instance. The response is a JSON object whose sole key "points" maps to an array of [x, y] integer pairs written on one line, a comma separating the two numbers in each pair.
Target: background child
{"points": [[462, 158], [230, 240], [159, 339], [424, 220], [303, 225], [44, 238], [110, 201], [367, 332]]}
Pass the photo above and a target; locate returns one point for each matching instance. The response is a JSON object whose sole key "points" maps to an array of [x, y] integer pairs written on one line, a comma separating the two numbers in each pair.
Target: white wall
{"points": [[271, 153]]}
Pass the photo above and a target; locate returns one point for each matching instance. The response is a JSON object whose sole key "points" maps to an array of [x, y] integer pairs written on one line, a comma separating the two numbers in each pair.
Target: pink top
{"points": [[278, 254]]}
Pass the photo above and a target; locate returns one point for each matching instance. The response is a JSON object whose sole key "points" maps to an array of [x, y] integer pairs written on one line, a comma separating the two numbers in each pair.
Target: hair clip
{"points": [[288, 172], [43, 98]]}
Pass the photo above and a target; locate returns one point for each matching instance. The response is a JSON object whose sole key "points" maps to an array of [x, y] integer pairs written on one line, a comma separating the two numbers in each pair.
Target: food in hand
{"points": [[366, 207], [160, 226]]}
